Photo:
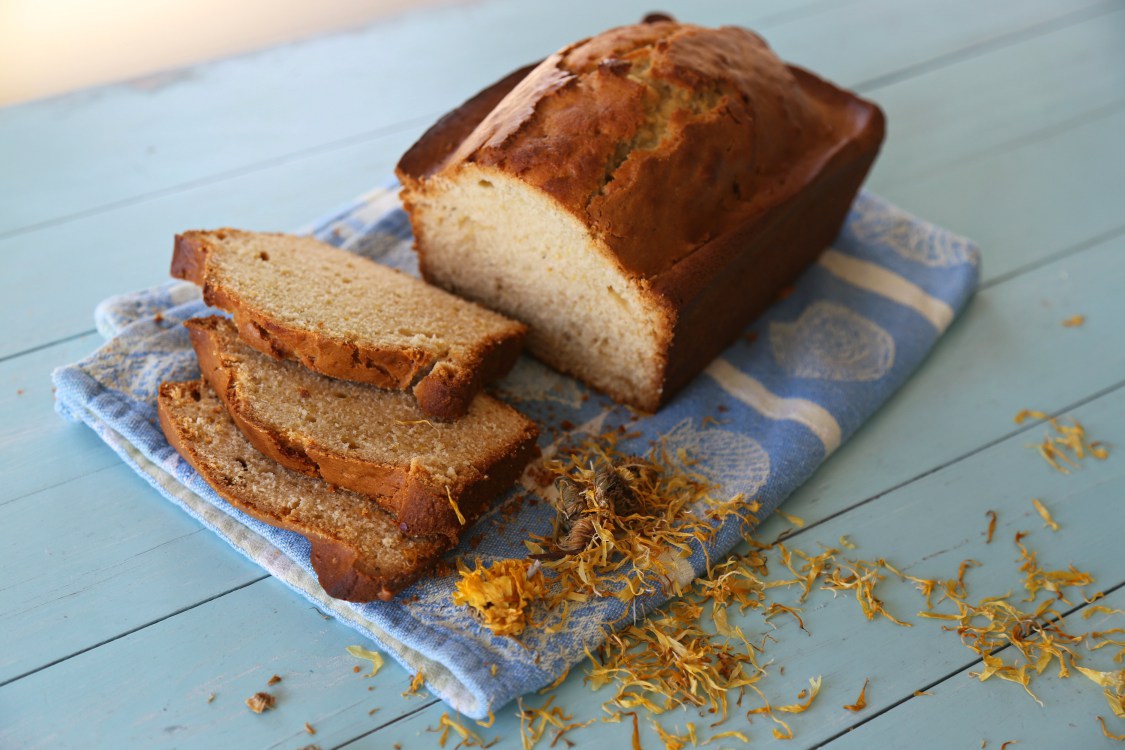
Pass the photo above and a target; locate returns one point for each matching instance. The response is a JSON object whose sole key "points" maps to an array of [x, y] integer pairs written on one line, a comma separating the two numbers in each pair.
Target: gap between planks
{"points": [[940, 61], [986, 46], [48, 345], [136, 629], [321, 148]]}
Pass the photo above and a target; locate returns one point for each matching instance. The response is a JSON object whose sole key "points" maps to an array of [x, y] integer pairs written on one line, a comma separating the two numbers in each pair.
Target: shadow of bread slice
{"points": [[348, 317], [358, 553], [365, 439]]}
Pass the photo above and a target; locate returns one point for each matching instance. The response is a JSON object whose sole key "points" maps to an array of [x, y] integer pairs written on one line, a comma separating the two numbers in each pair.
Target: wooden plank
{"points": [[100, 147], [926, 529], [82, 153], [964, 711], [289, 194], [1008, 328], [151, 688], [1025, 203], [974, 106], [96, 559], [37, 448], [231, 644]]}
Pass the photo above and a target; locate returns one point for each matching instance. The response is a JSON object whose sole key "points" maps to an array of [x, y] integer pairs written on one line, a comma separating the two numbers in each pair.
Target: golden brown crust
{"points": [[711, 172], [342, 569], [420, 507], [447, 388]]}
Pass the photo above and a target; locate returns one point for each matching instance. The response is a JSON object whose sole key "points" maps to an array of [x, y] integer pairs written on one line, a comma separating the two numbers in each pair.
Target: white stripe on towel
{"points": [[755, 395], [875, 278]]}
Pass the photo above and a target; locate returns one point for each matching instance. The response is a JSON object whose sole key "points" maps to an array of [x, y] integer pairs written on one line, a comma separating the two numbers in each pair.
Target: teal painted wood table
{"points": [[121, 617]]}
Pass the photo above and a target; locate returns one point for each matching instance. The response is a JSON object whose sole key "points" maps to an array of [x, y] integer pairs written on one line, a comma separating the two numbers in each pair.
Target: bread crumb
{"points": [[273, 680], [259, 702], [211, 698], [309, 728]]}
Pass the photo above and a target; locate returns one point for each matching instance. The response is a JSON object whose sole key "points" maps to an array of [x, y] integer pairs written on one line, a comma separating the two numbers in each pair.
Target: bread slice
{"points": [[348, 317], [358, 553], [368, 440]]}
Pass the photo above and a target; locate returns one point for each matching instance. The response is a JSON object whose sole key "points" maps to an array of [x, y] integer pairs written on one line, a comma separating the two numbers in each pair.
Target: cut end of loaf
{"points": [[492, 238]]}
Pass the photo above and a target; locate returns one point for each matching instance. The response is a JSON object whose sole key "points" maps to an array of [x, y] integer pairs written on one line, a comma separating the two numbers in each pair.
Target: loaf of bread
{"points": [[358, 552], [348, 317], [432, 477], [638, 197]]}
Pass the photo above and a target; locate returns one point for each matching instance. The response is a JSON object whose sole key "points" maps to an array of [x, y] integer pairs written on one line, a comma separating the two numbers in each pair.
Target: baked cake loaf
{"points": [[348, 317], [638, 197], [358, 552], [377, 442]]}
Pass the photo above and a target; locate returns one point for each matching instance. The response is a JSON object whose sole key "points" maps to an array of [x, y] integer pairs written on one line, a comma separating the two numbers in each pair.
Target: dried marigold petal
{"points": [[991, 526], [795, 520], [1045, 514], [415, 683], [456, 508], [501, 594], [861, 701], [374, 657], [1109, 734]]}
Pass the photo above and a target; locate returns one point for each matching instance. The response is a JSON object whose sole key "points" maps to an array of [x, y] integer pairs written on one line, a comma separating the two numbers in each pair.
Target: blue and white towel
{"points": [[822, 361]]}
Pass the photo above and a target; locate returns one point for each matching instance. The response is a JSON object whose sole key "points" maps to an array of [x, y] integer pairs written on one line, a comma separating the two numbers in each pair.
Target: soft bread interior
{"points": [[494, 239]]}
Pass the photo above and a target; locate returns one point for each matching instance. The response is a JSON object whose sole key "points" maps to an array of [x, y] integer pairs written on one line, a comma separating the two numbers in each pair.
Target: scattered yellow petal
{"points": [[725, 735], [796, 521], [1100, 609], [1067, 446], [1046, 514], [846, 543], [991, 526], [1025, 414], [469, 738], [1109, 734], [861, 701], [415, 683], [501, 593], [797, 708], [374, 657], [456, 508], [1074, 321], [1114, 684]]}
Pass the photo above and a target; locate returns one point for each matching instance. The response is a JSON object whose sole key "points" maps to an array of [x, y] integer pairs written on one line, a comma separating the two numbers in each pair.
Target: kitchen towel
{"points": [[808, 373]]}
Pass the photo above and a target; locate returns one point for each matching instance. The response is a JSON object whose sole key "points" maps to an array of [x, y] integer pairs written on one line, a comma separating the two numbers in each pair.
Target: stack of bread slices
{"points": [[342, 400]]}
